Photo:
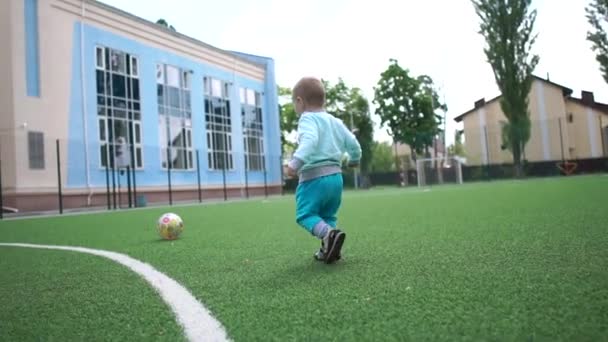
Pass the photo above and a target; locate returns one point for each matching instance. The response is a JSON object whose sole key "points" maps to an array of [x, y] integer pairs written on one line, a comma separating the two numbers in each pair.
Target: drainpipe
{"points": [[84, 106]]}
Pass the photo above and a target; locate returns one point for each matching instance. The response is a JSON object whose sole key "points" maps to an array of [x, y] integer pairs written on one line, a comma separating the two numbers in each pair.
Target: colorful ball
{"points": [[170, 226]]}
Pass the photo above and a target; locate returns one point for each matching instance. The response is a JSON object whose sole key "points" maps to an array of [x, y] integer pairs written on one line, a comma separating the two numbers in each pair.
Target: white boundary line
{"points": [[196, 320]]}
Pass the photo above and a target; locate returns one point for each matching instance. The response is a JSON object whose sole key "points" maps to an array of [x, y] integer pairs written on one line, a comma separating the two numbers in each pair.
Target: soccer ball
{"points": [[170, 226]]}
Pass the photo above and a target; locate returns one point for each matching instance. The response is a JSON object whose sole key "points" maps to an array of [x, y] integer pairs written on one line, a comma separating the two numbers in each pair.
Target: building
{"points": [[563, 127], [118, 91]]}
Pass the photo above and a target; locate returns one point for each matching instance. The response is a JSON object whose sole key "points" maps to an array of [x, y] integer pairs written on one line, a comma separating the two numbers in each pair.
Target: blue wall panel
{"points": [[32, 62], [153, 174]]}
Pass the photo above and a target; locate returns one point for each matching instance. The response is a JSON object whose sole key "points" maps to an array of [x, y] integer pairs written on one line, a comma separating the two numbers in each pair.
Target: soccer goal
{"points": [[432, 171]]}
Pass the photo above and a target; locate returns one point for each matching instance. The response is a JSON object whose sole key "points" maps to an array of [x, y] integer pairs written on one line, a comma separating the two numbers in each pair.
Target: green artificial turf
{"points": [[68, 296], [516, 260]]}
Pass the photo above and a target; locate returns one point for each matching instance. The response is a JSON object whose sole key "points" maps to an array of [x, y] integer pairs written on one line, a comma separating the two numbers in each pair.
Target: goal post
{"points": [[432, 171]]}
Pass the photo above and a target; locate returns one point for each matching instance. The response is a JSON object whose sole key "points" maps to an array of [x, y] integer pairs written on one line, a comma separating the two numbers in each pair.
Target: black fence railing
{"points": [[57, 179]]}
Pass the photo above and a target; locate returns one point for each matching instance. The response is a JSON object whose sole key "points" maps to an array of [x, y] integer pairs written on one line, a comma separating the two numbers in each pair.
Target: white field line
{"points": [[196, 320]]}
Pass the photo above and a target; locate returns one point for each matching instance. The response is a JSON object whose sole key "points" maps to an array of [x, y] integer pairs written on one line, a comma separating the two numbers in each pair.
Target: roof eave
{"points": [[163, 29]]}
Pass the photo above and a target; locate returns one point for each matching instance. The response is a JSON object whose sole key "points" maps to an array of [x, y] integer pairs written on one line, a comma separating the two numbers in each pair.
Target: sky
{"points": [[354, 40]]}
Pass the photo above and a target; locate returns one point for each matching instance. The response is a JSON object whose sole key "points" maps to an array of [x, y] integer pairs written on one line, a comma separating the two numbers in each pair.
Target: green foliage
{"points": [[288, 118], [597, 15], [407, 105], [507, 26], [507, 129], [383, 159], [350, 106], [163, 22], [457, 149]]}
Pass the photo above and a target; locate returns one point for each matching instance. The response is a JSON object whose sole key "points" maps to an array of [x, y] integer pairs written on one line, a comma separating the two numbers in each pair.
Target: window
{"points": [[253, 129], [99, 60], [175, 116], [218, 123], [35, 147], [118, 108]]}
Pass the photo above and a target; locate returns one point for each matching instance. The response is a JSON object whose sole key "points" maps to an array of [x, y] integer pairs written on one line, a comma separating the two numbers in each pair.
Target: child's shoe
{"points": [[331, 246]]}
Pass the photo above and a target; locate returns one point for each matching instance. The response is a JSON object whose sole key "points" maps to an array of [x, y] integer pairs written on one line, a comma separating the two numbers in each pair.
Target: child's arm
{"points": [[352, 147], [307, 141]]}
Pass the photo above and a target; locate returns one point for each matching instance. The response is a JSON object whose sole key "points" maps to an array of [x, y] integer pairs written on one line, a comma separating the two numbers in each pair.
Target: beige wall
{"points": [[547, 112], [483, 135], [585, 127], [49, 113], [7, 119], [547, 108], [494, 119]]}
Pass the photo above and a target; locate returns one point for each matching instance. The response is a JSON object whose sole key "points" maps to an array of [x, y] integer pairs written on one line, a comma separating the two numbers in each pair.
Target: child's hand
{"points": [[291, 172]]}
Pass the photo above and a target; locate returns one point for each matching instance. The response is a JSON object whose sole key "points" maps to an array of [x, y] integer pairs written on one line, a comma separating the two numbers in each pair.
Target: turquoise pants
{"points": [[319, 200]]}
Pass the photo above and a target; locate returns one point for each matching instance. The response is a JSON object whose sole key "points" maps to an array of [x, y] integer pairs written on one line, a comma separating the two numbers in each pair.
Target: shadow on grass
{"points": [[309, 271]]}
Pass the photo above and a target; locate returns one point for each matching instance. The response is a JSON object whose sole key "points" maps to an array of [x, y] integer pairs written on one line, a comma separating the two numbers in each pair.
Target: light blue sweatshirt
{"points": [[322, 141]]}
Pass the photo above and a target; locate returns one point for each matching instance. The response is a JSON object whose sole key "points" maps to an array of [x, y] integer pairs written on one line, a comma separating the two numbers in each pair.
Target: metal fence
{"points": [[45, 175], [575, 144]]}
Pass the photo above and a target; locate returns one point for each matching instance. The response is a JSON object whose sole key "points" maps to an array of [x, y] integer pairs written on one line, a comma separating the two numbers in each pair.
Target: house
{"points": [[563, 127]]}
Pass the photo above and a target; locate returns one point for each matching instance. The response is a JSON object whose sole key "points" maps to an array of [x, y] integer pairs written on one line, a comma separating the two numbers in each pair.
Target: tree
{"points": [[163, 22], [382, 158], [507, 27], [349, 105], [457, 148], [288, 117], [506, 129], [407, 105], [597, 15]]}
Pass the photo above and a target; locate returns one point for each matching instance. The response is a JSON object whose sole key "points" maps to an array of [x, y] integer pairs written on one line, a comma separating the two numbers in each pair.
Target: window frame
{"points": [[106, 111], [219, 127], [166, 112], [253, 130]]}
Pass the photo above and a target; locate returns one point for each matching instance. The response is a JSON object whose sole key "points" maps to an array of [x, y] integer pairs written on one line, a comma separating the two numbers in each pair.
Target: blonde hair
{"points": [[311, 91]]}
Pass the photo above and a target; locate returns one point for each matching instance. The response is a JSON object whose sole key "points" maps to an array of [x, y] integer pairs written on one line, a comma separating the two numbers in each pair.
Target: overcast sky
{"points": [[354, 39]]}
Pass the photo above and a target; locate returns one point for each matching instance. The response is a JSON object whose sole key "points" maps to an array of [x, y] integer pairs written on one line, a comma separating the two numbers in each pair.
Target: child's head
{"points": [[308, 95]]}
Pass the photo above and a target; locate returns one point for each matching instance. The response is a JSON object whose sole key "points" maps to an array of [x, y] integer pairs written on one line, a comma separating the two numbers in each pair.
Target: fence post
{"points": [[485, 132], [59, 177], [198, 176], [169, 174], [119, 194], [602, 135], [129, 186], [224, 180], [561, 139], [397, 164], [134, 185], [265, 181], [246, 176], [133, 166], [108, 186], [282, 175], [1, 193], [113, 183]]}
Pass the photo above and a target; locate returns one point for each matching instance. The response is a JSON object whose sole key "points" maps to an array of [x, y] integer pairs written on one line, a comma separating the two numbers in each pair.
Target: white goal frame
{"points": [[454, 162]]}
